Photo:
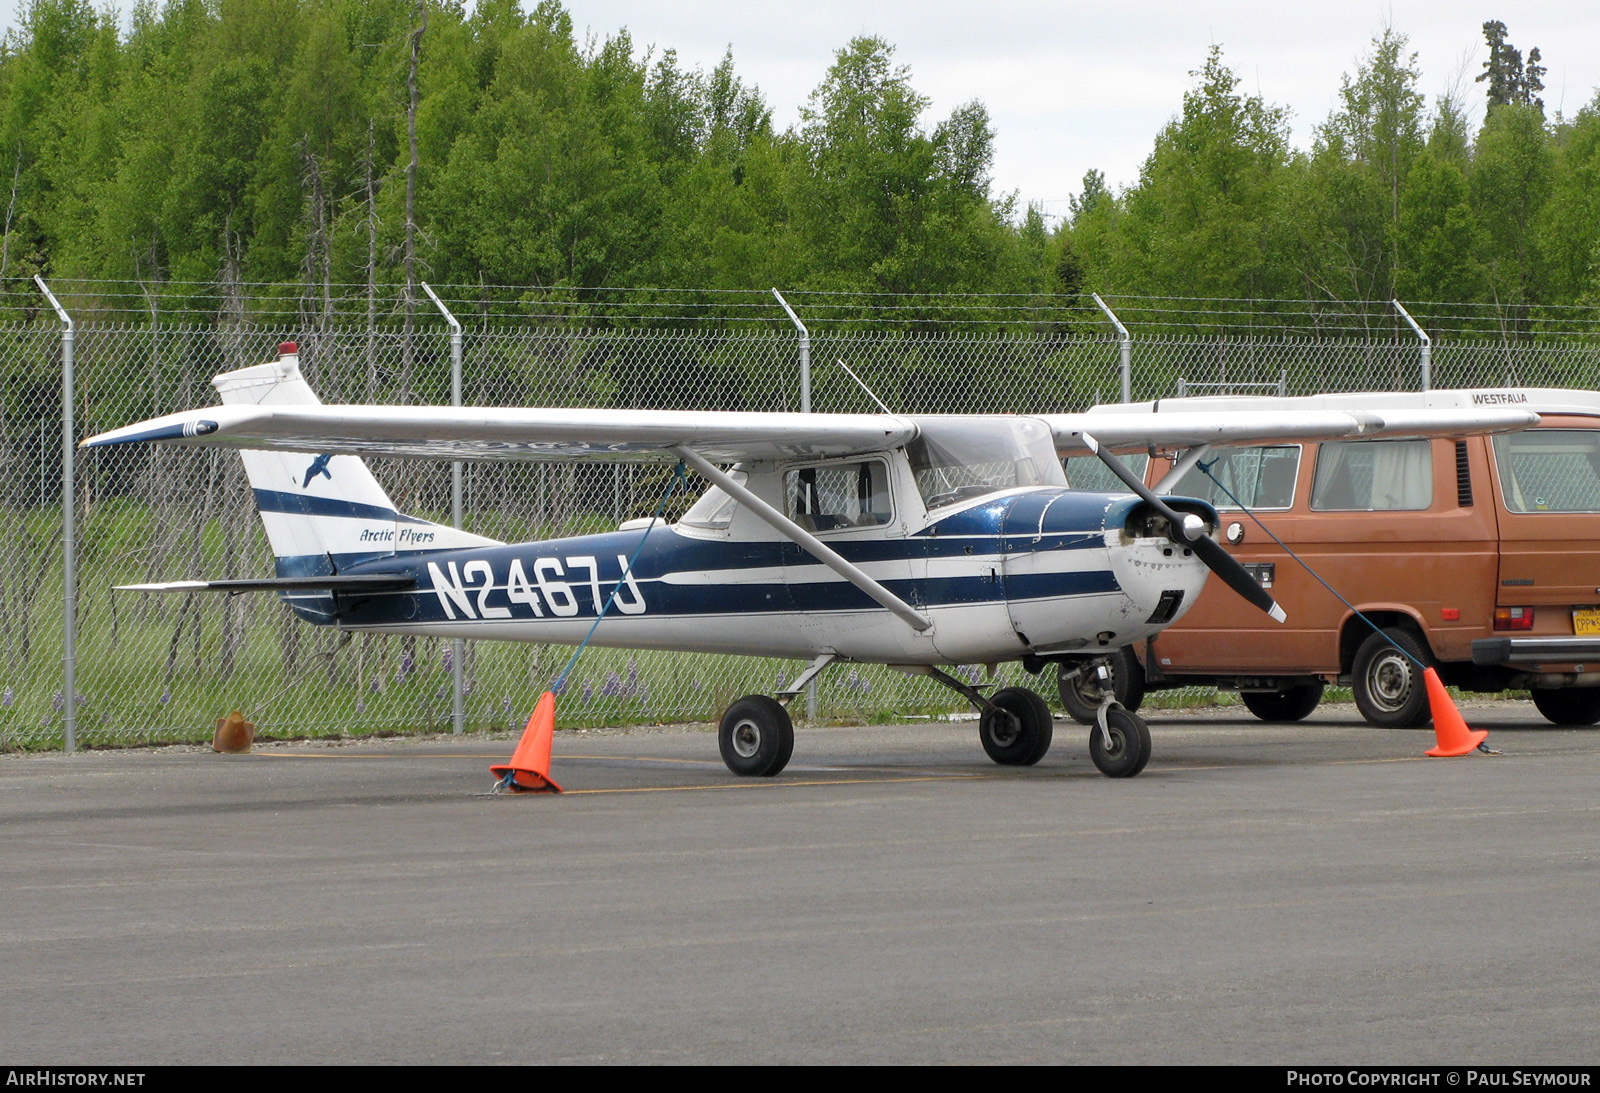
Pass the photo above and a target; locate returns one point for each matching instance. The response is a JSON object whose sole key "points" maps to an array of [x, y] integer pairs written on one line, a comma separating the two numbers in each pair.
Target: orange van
{"points": [[1480, 556]]}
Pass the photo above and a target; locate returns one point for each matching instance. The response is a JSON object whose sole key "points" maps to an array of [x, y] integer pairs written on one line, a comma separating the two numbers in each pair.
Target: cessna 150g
{"points": [[918, 542]]}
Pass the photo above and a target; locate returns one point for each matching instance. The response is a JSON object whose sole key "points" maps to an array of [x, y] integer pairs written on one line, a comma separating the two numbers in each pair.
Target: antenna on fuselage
{"points": [[864, 386]]}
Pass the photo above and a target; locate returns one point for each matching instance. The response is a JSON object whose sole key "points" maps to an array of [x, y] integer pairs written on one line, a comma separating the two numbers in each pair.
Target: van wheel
{"points": [[1081, 697], [1388, 685], [1290, 704], [1569, 706]]}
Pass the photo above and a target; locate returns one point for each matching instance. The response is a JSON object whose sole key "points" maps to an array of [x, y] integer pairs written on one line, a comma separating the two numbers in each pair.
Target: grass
{"points": [[162, 668]]}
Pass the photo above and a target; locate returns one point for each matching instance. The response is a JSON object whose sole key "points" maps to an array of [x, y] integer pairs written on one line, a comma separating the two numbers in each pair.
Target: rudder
{"points": [[322, 513]]}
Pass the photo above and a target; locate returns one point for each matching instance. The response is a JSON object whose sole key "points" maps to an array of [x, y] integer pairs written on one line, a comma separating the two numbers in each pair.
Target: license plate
{"points": [[1586, 620]]}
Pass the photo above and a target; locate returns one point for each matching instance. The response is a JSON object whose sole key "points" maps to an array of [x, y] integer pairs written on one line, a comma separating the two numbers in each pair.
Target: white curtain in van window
{"points": [[1402, 475]]}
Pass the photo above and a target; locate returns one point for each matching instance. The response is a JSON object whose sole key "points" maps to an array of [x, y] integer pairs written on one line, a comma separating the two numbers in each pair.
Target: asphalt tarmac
{"points": [[1311, 894]]}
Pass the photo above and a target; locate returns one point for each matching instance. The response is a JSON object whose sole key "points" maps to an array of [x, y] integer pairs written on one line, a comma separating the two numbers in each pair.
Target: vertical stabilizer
{"points": [[323, 512]]}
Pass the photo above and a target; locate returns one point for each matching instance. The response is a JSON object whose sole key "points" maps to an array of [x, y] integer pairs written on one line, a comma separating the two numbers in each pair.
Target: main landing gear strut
{"points": [[1015, 726]]}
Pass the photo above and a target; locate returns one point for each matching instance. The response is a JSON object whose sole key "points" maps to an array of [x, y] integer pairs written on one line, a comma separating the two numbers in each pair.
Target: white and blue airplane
{"points": [[915, 541]]}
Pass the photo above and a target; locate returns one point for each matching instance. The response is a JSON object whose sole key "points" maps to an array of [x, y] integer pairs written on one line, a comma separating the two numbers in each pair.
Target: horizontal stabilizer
{"points": [[351, 582]]}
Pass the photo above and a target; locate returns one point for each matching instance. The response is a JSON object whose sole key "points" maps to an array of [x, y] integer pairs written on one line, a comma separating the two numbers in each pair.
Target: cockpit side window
{"points": [[839, 495]]}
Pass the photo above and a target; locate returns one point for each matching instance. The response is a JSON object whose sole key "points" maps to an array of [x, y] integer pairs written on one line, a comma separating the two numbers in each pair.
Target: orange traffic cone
{"points": [[1454, 736], [234, 734], [528, 771]]}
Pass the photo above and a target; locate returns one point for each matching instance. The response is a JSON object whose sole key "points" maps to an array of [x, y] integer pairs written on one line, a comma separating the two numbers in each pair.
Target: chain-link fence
{"points": [[163, 667]]}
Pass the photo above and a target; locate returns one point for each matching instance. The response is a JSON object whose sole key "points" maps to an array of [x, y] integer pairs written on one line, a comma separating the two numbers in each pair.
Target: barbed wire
{"points": [[342, 303]]}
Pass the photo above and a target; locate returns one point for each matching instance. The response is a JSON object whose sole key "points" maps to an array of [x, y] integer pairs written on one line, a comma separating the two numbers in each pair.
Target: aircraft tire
{"points": [[1290, 704], [1568, 705], [1130, 744], [1081, 698], [1387, 685], [1021, 739], [756, 737]]}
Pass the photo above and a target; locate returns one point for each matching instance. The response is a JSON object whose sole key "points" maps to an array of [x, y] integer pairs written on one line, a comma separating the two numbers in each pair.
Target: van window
{"points": [[839, 495], [1373, 475], [1261, 478], [1550, 470]]}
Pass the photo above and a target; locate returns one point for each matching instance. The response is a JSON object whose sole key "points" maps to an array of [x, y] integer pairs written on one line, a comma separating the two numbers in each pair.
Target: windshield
{"points": [[1550, 470], [714, 509], [954, 459]]}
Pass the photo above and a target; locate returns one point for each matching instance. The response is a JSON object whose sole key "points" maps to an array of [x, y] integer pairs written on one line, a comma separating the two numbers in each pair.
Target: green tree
{"points": [[1569, 226], [1201, 219], [1512, 177], [1349, 205], [1508, 80]]}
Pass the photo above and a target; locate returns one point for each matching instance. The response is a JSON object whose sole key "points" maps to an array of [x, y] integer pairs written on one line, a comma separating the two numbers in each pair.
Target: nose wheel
{"points": [[1119, 744]]}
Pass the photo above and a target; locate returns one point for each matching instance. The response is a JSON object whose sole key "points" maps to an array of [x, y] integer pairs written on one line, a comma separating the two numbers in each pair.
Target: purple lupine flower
{"points": [[361, 704], [7, 697], [374, 686], [588, 690], [166, 695], [783, 677], [57, 703], [449, 656], [612, 686]]}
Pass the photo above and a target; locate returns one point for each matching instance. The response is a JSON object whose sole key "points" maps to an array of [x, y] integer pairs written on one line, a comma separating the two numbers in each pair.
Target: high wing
{"points": [[1127, 431], [478, 433]]}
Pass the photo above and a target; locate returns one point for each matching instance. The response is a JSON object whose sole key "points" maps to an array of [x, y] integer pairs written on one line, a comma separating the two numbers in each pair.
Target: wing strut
{"points": [[805, 540]]}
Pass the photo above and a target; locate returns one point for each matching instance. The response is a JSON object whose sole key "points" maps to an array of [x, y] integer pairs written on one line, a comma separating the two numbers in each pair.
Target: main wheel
{"points": [[1018, 733], [1290, 704], [1388, 685], [1080, 694], [1569, 705], [756, 737], [1130, 744]]}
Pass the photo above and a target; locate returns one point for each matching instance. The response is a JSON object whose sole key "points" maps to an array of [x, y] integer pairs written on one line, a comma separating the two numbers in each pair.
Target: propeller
{"points": [[1188, 530]]}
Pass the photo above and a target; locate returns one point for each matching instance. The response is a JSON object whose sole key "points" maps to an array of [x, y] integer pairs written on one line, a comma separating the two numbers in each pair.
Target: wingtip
{"points": [[1277, 614]]}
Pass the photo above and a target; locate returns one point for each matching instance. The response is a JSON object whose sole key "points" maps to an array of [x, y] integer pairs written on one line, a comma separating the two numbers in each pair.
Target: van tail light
{"points": [[1513, 618]]}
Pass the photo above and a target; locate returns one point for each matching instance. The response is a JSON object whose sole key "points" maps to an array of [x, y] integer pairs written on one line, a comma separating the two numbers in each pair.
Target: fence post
{"points": [[69, 524], [1125, 343], [458, 648], [1427, 345], [805, 408], [805, 354]]}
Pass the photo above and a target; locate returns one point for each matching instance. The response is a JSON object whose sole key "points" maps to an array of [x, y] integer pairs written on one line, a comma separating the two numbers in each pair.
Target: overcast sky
{"points": [[1072, 86]]}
